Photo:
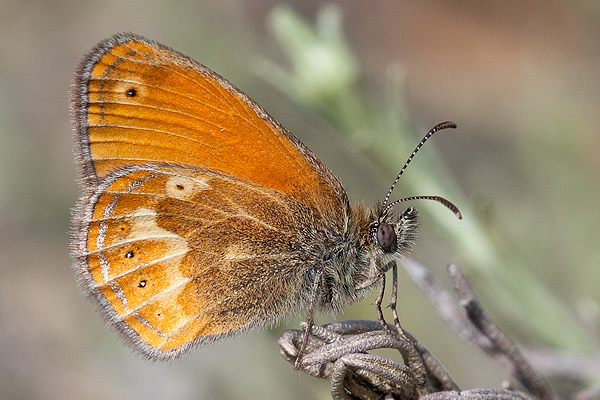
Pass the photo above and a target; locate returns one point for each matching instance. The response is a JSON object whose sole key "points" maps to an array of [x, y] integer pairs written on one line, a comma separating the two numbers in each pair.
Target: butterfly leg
{"points": [[393, 302], [399, 332], [377, 303], [310, 317]]}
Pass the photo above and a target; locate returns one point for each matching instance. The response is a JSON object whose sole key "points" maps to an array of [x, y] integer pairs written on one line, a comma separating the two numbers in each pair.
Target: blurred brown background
{"points": [[521, 79]]}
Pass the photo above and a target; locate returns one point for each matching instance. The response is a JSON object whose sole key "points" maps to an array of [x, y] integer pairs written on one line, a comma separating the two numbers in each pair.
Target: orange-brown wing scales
{"points": [[148, 104], [179, 255]]}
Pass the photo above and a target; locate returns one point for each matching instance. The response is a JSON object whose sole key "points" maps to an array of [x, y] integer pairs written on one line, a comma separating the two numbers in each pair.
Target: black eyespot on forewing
{"points": [[386, 237]]}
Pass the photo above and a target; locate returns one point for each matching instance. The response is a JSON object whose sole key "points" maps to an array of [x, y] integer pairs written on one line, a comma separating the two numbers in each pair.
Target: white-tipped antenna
{"points": [[386, 207]]}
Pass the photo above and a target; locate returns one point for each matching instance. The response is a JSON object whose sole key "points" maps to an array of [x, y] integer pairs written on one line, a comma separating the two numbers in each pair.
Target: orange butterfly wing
{"points": [[137, 101], [197, 205]]}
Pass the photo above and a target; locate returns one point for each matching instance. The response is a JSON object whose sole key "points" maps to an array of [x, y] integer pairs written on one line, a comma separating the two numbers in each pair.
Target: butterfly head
{"points": [[383, 237], [394, 234]]}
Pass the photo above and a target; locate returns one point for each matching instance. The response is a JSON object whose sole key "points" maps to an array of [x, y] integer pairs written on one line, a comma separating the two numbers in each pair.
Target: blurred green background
{"points": [[521, 80]]}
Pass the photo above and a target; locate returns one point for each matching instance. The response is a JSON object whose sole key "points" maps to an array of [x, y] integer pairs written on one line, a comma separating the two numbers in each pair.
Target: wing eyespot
{"points": [[131, 92]]}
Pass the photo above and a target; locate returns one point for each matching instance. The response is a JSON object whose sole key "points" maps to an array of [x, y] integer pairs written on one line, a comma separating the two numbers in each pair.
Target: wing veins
{"points": [[148, 106], [181, 253], [133, 240], [156, 297], [177, 71]]}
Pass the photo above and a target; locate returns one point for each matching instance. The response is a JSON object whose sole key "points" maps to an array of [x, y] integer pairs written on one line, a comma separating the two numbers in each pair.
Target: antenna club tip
{"points": [[445, 125], [458, 215]]}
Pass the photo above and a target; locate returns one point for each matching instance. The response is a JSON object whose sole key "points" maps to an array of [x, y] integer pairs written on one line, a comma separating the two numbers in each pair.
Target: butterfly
{"points": [[201, 216]]}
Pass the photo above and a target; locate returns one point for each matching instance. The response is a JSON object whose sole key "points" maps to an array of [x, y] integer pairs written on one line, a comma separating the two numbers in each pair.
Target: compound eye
{"points": [[386, 237]]}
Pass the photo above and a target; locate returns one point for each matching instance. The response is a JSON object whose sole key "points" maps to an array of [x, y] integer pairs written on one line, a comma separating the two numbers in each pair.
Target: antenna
{"points": [[439, 199], [386, 207]]}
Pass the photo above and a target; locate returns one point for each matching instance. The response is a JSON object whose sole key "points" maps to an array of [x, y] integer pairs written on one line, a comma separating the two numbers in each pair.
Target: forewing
{"points": [[138, 102]]}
